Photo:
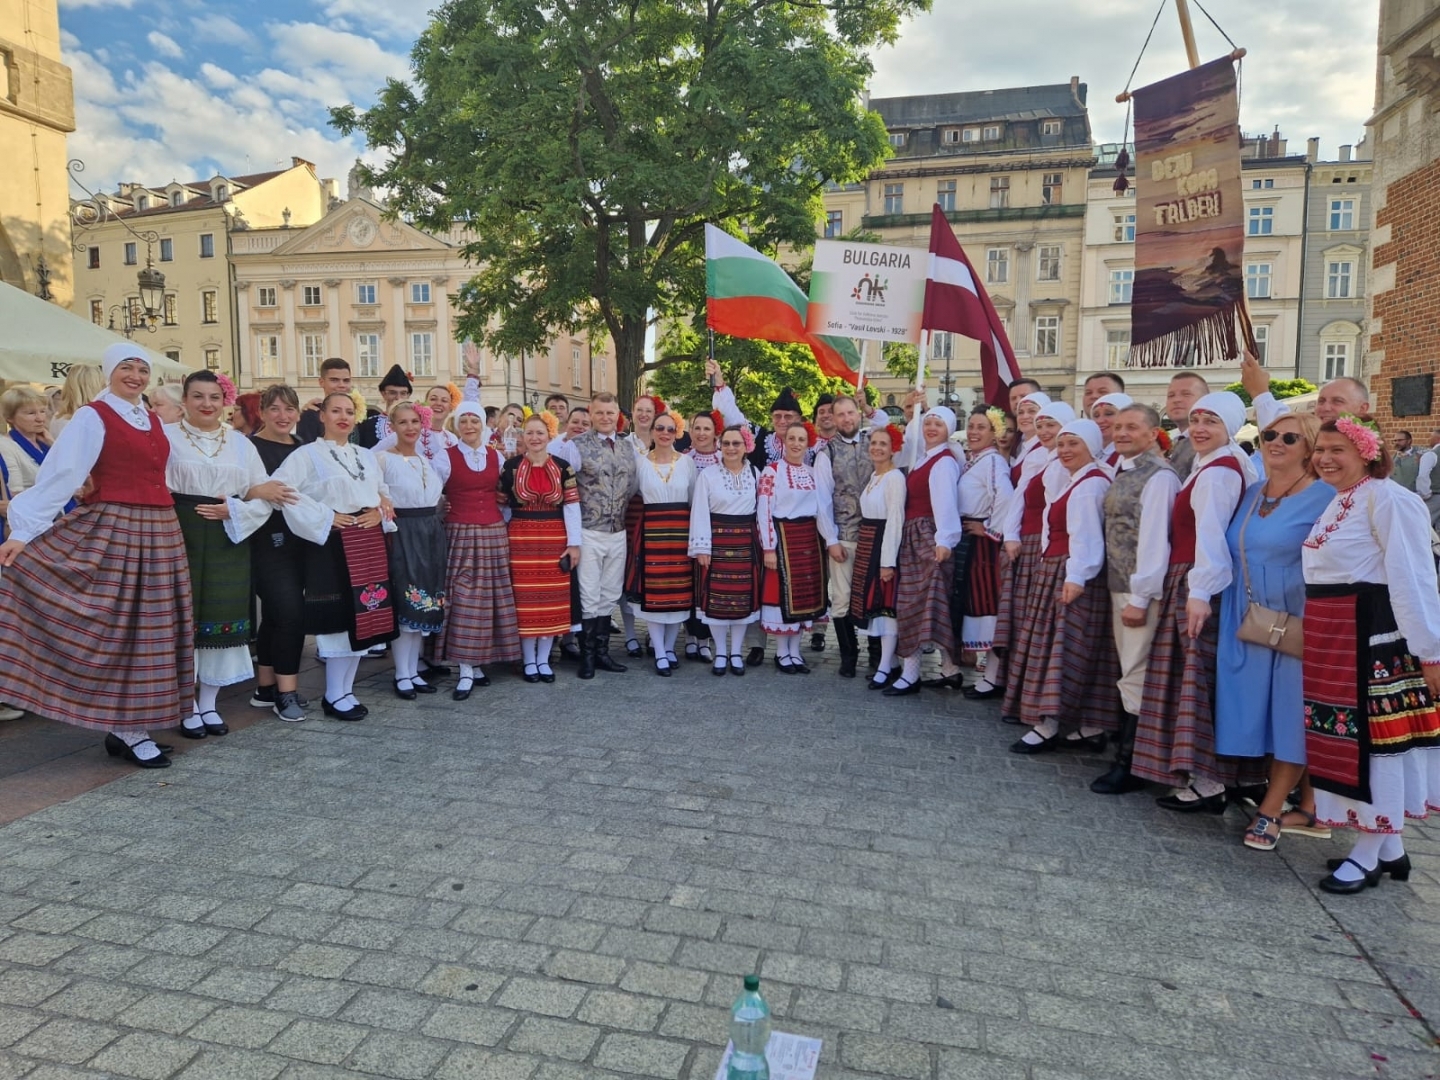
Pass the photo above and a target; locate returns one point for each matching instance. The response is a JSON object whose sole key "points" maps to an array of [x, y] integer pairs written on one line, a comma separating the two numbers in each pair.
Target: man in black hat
{"points": [[769, 442], [394, 387]]}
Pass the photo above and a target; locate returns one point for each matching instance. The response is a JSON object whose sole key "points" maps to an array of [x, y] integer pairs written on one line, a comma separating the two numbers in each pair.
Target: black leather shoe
{"points": [[737, 666], [531, 676], [1398, 869], [116, 747], [755, 657], [633, 649], [799, 667], [217, 728], [983, 695], [1207, 804], [1331, 884], [569, 651], [405, 695], [355, 712], [1020, 746], [434, 671], [165, 748], [1095, 743], [784, 668], [603, 662], [547, 676], [662, 671], [192, 733], [424, 688], [896, 690], [954, 682], [1118, 781], [720, 670], [878, 683], [462, 690], [817, 642]]}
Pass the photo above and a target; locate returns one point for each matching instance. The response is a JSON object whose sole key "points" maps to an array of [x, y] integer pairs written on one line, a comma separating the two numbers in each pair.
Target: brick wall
{"points": [[1408, 315]]}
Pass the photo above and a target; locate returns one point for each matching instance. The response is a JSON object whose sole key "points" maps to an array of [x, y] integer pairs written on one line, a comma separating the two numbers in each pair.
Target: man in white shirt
{"points": [[1427, 482], [1336, 398], [1184, 390]]}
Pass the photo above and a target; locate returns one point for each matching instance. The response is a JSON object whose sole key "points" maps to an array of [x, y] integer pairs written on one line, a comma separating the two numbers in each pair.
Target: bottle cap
{"points": [[752, 983]]}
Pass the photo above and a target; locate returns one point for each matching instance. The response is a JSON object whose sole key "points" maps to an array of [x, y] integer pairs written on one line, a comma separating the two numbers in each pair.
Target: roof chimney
{"points": [[1312, 150], [1076, 91], [1344, 151]]}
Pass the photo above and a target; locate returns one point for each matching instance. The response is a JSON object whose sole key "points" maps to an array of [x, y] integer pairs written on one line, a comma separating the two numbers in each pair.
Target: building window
{"points": [[142, 202], [212, 359], [172, 354], [130, 259], [942, 345], [1338, 278], [1124, 228], [176, 198], [312, 354], [1260, 221], [997, 266], [894, 198], [365, 292], [945, 195], [267, 296], [834, 224], [950, 136], [221, 192], [1262, 344], [267, 356], [209, 306], [169, 309], [1257, 280], [575, 368], [1047, 335], [1257, 185], [422, 355], [420, 292], [1122, 283], [367, 355], [1049, 264], [1342, 214], [999, 192], [1051, 127], [1337, 354], [97, 311], [207, 245], [94, 257], [137, 313], [1117, 348], [167, 250], [1050, 189], [311, 296], [897, 139], [991, 133]]}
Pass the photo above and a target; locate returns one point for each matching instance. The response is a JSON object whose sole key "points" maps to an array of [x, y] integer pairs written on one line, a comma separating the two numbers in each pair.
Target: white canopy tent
{"points": [[40, 340], [1300, 403]]}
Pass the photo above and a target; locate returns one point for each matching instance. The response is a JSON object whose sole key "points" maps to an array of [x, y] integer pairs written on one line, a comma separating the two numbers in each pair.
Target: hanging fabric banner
{"points": [[1189, 220]]}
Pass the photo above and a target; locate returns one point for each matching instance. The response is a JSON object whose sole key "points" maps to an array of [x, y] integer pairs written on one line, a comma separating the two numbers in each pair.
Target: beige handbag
{"points": [[1271, 629]]}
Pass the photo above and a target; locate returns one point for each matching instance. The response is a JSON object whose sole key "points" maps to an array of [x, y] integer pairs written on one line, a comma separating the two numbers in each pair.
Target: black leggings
{"points": [[278, 570]]}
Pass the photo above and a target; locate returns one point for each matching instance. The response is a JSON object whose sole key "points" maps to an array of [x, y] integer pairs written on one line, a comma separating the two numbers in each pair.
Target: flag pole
{"points": [[860, 375], [920, 360], [1187, 31]]}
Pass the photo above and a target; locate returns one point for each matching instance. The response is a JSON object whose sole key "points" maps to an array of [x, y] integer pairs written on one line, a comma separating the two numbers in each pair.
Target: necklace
{"points": [[216, 437], [1268, 505], [664, 476], [359, 474], [417, 463]]}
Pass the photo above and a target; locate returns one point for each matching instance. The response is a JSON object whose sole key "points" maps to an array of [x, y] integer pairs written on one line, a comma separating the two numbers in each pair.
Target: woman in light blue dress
{"points": [[1259, 708]]}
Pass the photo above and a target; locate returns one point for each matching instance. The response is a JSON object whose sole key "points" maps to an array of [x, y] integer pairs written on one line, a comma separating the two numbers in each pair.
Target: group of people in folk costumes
{"points": [[1098, 574]]}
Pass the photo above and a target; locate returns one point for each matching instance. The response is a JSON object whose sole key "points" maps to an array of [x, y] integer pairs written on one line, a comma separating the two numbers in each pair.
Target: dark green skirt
{"points": [[219, 577]]}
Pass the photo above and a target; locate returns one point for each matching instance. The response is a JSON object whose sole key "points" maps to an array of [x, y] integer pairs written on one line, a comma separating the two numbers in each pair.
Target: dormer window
{"points": [[950, 136], [142, 202], [1050, 127], [176, 198], [991, 133], [897, 139], [970, 134], [220, 193]]}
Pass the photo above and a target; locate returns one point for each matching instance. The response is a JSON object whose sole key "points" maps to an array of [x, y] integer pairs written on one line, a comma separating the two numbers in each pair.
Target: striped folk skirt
{"points": [[100, 631], [481, 626], [922, 600], [661, 576], [1015, 630], [872, 599], [542, 590], [980, 597], [729, 591], [1074, 655], [418, 563], [1372, 732], [796, 592], [1175, 739], [348, 589]]}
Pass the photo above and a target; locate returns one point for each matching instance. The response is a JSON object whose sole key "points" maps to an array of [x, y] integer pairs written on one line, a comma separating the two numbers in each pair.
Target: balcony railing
{"points": [[959, 217]]}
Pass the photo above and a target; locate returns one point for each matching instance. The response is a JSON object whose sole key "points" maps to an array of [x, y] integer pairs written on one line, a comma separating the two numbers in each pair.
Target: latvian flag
{"points": [[750, 296], [956, 301]]}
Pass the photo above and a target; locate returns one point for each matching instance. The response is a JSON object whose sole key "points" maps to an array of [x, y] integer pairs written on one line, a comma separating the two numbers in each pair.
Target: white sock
{"points": [[657, 639], [205, 696], [542, 654], [1086, 731], [1392, 847], [144, 749], [627, 616], [1046, 729], [193, 721], [132, 739], [887, 652], [910, 671], [406, 653], [527, 651], [1366, 852], [1207, 788], [672, 637], [340, 677], [466, 671], [731, 639]]}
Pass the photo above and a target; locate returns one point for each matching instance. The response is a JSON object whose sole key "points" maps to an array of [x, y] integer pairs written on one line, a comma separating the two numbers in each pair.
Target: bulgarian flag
{"points": [[750, 296]]}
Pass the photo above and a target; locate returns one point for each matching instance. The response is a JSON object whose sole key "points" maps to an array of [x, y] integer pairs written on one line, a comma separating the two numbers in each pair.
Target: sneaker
{"points": [[262, 697], [9, 712], [287, 707]]}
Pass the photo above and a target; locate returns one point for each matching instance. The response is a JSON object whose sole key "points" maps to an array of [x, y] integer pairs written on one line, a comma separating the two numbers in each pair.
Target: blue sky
{"points": [[189, 89]]}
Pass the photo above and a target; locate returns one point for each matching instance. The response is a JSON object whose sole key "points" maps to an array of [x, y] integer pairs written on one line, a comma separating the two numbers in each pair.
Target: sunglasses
{"points": [[660, 429], [1289, 438]]}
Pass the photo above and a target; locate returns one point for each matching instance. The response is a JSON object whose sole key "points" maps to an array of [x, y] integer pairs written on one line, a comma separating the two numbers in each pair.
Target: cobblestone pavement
{"points": [[563, 881]]}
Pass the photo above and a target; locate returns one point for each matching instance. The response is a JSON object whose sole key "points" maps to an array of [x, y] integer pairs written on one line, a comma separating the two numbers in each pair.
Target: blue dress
{"points": [[1259, 707]]}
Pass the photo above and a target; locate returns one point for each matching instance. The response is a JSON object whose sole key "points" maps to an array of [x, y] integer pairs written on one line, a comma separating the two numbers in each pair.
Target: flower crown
{"points": [[897, 437], [552, 422], [454, 392], [1364, 434], [996, 416], [359, 399], [227, 388], [427, 416]]}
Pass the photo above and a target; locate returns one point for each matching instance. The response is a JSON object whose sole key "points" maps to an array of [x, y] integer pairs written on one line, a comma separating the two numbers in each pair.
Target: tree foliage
{"points": [[585, 143], [1279, 388]]}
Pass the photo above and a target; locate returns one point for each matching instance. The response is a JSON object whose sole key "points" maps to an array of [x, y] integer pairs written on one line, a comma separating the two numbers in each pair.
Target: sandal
{"points": [[1259, 835], [1308, 827]]}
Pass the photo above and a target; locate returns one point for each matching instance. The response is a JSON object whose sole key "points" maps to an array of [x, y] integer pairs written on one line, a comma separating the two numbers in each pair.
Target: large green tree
{"points": [[584, 144]]}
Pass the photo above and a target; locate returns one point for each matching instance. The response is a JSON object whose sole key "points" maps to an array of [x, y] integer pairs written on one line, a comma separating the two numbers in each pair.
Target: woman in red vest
{"points": [[102, 636], [481, 626]]}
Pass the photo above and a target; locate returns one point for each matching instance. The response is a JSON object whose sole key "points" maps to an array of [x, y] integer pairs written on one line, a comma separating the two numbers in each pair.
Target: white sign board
{"points": [[872, 291], [790, 1057]]}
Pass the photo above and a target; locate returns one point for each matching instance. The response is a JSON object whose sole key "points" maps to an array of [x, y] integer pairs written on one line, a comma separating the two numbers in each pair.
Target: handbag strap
{"points": [[1240, 540]]}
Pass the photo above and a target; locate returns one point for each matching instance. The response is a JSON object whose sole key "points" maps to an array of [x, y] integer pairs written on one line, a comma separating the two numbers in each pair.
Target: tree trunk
{"points": [[629, 361]]}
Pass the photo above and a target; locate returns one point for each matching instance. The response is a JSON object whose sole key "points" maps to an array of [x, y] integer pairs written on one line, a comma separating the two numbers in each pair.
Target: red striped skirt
{"points": [[798, 587], [542, 592], [922, 600], [1020, 608], [1074, 651], [982, 578], [100, 631], [870, 597], [1015, 577], [481, 626], [1175, 738], [729, 591], [661, 575]]}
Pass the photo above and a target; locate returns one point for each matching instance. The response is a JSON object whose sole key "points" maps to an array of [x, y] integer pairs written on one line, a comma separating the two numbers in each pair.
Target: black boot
{"points": [[1119, 780], [586, 640], [601, 647], [873, 649], [849, 646]]}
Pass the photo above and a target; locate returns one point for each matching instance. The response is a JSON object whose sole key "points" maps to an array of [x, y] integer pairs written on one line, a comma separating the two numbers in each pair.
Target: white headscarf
{"points": [[1227, 406], [945, 414], [1120, 401], [117, 354], [1039, 397], [1057, 410], [1087, 430]]}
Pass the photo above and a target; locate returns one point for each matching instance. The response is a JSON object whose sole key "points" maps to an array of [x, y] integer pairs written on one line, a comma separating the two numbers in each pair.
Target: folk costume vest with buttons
{"points": [[851, 468], [1058, 543], [917, 490], [1122, 519], [1032, 513], [131, 471], [471, 493], [1182, 518]]}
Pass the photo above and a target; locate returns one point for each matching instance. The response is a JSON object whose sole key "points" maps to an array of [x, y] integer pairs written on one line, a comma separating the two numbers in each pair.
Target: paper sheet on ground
{"points": [[791, 1057]]}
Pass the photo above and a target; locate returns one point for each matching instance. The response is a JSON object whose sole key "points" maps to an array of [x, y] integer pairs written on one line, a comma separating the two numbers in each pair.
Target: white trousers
{"points": [[841, 574], [602, 572], [1133, 644]]}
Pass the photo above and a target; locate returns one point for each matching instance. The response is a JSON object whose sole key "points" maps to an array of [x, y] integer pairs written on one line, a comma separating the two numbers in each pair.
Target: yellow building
{"points": [[186, 231], [1009, 168], [37, 109], [378, 293]]}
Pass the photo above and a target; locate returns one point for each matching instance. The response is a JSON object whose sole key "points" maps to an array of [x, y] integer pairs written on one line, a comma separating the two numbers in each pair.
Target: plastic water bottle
{"points": [[749, 1034]]}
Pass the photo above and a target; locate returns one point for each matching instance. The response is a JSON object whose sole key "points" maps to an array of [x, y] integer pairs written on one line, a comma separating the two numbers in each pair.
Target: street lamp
{"points": [[91, 212]]}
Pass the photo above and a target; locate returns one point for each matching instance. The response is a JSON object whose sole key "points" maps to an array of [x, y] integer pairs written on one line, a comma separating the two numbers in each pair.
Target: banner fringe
{"points": [[1211, 340]]}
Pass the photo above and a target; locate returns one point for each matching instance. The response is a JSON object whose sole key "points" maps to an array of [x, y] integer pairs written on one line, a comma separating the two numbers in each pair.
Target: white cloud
{"points": [[357, 63], [165, 46], [97, 3], [218, 77], [221, 29], [400, 20]]}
